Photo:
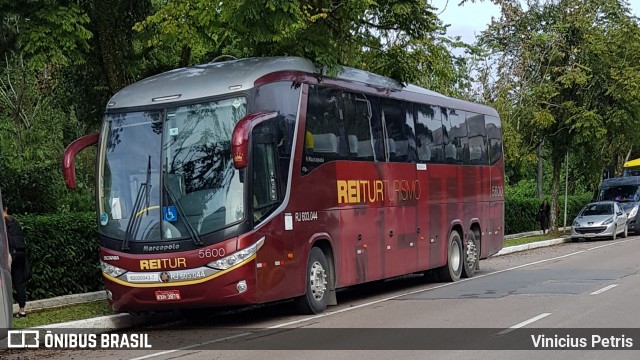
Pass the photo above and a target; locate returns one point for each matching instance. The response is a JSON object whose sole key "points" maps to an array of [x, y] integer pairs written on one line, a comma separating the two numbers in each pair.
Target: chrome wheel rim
{"points": [[317, 280], [471, 253]]}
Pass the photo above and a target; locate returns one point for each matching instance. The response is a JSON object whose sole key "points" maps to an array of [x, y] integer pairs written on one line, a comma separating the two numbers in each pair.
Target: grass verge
{"points": [[63, 314], [532, 238]]}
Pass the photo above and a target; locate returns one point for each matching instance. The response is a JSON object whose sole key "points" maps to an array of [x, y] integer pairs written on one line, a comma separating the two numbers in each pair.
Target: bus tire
{"points": [[453, 269], [316, 296], [471, 255]]}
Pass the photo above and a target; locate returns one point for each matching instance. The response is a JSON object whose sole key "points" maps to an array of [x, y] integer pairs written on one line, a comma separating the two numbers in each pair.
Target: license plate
{"points": [[168, 295]]}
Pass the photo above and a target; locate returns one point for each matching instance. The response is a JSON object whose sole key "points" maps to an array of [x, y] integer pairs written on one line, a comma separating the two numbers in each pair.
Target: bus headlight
{"points": [[111, 270], [237, 257]]}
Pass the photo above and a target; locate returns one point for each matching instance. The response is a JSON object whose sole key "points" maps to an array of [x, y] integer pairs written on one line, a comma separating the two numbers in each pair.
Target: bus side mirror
{"points": [[240, 137], [69, 159]]}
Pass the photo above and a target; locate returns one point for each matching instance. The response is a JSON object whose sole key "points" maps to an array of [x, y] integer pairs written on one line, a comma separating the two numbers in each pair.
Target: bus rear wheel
{"points": [[316, 296], [471, 255], [453, 269]]}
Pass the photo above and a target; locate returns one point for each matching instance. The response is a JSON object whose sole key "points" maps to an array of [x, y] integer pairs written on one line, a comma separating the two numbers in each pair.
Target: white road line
{"points": [[329, 313], [524, 323], [604, 289], [609, 244]]}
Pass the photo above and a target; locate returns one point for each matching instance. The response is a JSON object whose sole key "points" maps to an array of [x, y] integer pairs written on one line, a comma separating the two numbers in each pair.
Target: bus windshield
{"points": [[621, 193], [163, 174]]}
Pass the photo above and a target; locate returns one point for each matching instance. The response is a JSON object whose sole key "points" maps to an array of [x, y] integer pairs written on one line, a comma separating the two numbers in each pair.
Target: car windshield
{"points": [[598, 209]]}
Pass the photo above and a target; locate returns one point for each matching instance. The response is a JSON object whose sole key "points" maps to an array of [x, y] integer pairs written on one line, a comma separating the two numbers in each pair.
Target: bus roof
{"points": [[212, 79], [623, 180], [632, 163]]}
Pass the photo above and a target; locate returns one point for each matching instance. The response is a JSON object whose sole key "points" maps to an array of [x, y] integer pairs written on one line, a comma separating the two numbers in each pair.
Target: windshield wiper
{"points": [[174, 199], [144, 194]]}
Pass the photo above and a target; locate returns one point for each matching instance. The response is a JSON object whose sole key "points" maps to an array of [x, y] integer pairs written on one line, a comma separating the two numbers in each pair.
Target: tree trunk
{"points": [[539, 178]]}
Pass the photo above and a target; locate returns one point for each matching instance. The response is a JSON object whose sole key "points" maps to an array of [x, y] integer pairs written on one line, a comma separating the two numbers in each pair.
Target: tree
{"points": [[573, 68], [402, 39]]}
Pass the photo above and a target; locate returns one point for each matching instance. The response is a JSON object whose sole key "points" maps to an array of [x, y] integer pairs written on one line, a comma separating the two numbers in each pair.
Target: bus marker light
{"points": [[358, 251], [241, 286], [410, 244], [166, 98], [388, 247], [290, 256], [278, 263]]}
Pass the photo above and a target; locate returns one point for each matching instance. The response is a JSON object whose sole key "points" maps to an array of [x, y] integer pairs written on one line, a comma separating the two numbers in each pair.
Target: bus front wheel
{"points": [[316, 296], [453, 269]]}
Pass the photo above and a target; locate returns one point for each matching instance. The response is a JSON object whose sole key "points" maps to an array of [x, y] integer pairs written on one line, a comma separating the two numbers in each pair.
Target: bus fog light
{"points": [[109, 295], [241, 286]]}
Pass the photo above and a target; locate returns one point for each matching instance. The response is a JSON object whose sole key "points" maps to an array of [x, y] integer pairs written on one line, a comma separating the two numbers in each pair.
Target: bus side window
{"points": [[429, 133], [325, 138], [399, 131], [364, 128], [494, 138], [455, 147], [477, 134]]}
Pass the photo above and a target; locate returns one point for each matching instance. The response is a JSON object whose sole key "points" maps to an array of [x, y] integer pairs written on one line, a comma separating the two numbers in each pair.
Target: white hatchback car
{"points": [[600, 219]]}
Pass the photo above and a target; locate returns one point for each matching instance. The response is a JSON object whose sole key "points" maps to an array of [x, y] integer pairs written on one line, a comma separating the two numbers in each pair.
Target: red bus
{"points": [[254, 180]]}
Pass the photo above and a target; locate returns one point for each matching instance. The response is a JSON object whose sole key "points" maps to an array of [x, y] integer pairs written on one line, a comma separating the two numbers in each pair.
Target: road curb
{"points": [[63, 301]]}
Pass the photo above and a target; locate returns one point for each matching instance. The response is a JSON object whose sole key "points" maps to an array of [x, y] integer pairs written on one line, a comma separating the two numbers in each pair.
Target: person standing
{"points": [[543, 215], [20, 270]]}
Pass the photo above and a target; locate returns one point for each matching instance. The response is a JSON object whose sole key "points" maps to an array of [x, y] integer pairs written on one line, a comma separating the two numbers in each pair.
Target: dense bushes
{"points": [[520, 213], [63, 253]]}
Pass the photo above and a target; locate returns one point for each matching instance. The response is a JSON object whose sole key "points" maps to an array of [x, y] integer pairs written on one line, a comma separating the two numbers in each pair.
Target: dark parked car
{"points": [[626, 192]]}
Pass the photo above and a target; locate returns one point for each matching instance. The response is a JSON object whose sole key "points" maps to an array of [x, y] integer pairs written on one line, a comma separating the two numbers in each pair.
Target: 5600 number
{"points": [[497, 191], [210, 253]]}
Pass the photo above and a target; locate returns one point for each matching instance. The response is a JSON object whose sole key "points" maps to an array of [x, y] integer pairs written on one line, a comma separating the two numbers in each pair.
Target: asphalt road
{"points": [[573, 295]]}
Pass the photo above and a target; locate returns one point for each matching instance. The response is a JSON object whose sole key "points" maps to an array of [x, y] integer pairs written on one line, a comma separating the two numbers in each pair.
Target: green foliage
{"points": [[32, 128], [44, 32], [559, 81], [402, 39], [520, 212], [63, 251]]}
